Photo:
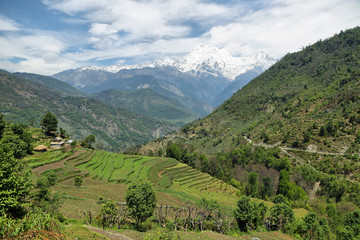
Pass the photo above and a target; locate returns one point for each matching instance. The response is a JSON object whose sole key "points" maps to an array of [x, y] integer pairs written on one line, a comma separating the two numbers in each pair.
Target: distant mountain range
{"points": [[27, 100], [196, 80], [308, 100]]}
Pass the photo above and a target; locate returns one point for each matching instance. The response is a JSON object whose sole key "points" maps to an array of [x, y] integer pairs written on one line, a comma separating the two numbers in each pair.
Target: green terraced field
{"points": [[170, 177]]}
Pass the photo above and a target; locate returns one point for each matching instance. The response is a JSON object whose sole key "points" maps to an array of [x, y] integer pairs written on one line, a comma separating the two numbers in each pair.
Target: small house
{"points": [[57, 143], [40, 148]]}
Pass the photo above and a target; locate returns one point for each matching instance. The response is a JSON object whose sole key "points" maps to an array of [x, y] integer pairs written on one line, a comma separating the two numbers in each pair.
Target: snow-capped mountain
{"points": [[203, 59], [201, 79]]}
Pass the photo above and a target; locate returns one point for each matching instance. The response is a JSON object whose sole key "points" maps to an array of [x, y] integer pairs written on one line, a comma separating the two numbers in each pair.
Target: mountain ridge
{"points": [[26, 101], [308, 99], [202, 74], [219, 60]]}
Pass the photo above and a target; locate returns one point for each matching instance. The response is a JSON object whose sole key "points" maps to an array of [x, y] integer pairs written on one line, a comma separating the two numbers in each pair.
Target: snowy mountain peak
{"points": [[204, 59]]}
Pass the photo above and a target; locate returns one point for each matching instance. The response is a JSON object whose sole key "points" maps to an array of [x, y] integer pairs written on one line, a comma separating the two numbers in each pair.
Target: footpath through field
{"points": [[55, 165], [109, 235]]}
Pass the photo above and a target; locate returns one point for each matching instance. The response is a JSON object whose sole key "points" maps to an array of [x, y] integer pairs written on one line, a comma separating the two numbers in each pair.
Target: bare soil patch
{"points": [[55, 165]]}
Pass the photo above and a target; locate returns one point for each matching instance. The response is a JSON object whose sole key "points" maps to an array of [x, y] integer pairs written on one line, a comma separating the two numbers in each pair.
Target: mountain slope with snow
{"points": [[203, 59], [201, 75]]}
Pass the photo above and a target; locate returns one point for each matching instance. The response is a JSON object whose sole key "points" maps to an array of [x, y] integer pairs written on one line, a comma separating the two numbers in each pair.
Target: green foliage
{"points": [[333, 187], [80, 116], [279, 198], [309, 174], [352, 223], [141, 201], [18, 129], [249, 215], [88, 141], [49, 123], [35, 225], [14, 145], [281, 215], [160, 152], [78, 181], [52, 177], [73, 144], [252, 189], [357, 139], [2, 125], [162, 234], [149, 103], [62, 132], [266, 190], [14, 185], [173, 150], [284, 180], [308, 97], [107, 216], [313, 227]]}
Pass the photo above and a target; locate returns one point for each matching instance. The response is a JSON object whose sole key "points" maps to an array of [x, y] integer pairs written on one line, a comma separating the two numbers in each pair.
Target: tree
{"points": [[160, 152], [14, 185], [108, 214], [49, 123], [283, 186], [352, 223], [2, 125], [253, 185], [14, 145], [62, 132], [266, 188], [173, 150], [141, 200], [17, 129], [280, 215], [88, 141], [78, 181], [249, 215]]}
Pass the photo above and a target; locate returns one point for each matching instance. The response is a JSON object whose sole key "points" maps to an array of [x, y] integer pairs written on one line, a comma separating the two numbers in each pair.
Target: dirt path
{"points": [[160, 173], [294, 149], [109, 235], [298, 159], [55, 165], [314, 190]]}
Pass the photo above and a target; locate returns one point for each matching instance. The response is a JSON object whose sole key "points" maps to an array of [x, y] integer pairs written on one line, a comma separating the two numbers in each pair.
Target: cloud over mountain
{"points": [[73, 33]]}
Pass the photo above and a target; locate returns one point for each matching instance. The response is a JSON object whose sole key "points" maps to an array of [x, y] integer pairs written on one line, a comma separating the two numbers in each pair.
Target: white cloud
{"points": [[286, 26], [149, 29], [8, 24], [41, 52]]}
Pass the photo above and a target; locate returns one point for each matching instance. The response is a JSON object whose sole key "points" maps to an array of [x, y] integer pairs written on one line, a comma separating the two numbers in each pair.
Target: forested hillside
{"points": [[294, 130], [149, 103], [24, 101], [308, 99]]}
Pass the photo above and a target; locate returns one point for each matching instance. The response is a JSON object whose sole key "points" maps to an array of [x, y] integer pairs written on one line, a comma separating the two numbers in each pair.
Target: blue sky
{"points": [[48, 36]]}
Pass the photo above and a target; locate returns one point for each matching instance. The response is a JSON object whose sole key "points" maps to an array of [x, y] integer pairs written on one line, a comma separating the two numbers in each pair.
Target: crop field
{"points": [[108, 174]]}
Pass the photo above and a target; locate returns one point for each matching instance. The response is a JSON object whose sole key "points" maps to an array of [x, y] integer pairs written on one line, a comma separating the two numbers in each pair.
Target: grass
{"points": [[175, 184], [107, 175], [80, 232], [39, 159]]}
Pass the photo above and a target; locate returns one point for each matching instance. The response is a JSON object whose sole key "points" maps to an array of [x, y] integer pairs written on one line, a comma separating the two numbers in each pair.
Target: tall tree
{"points": [[141, 201], [49, 123], [249, 215], [253, 185], [14, 185], [2, 125]]}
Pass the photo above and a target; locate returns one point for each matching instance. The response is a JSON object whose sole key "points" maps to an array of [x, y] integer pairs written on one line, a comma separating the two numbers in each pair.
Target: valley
{"points": [[202, 146]]}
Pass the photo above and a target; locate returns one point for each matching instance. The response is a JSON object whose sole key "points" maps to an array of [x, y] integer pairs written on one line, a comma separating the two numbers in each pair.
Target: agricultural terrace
{"points": [[108, 174]]}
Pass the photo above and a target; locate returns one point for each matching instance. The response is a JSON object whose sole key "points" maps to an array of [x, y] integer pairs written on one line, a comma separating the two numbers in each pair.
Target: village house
{"points": [[57, 143]]}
